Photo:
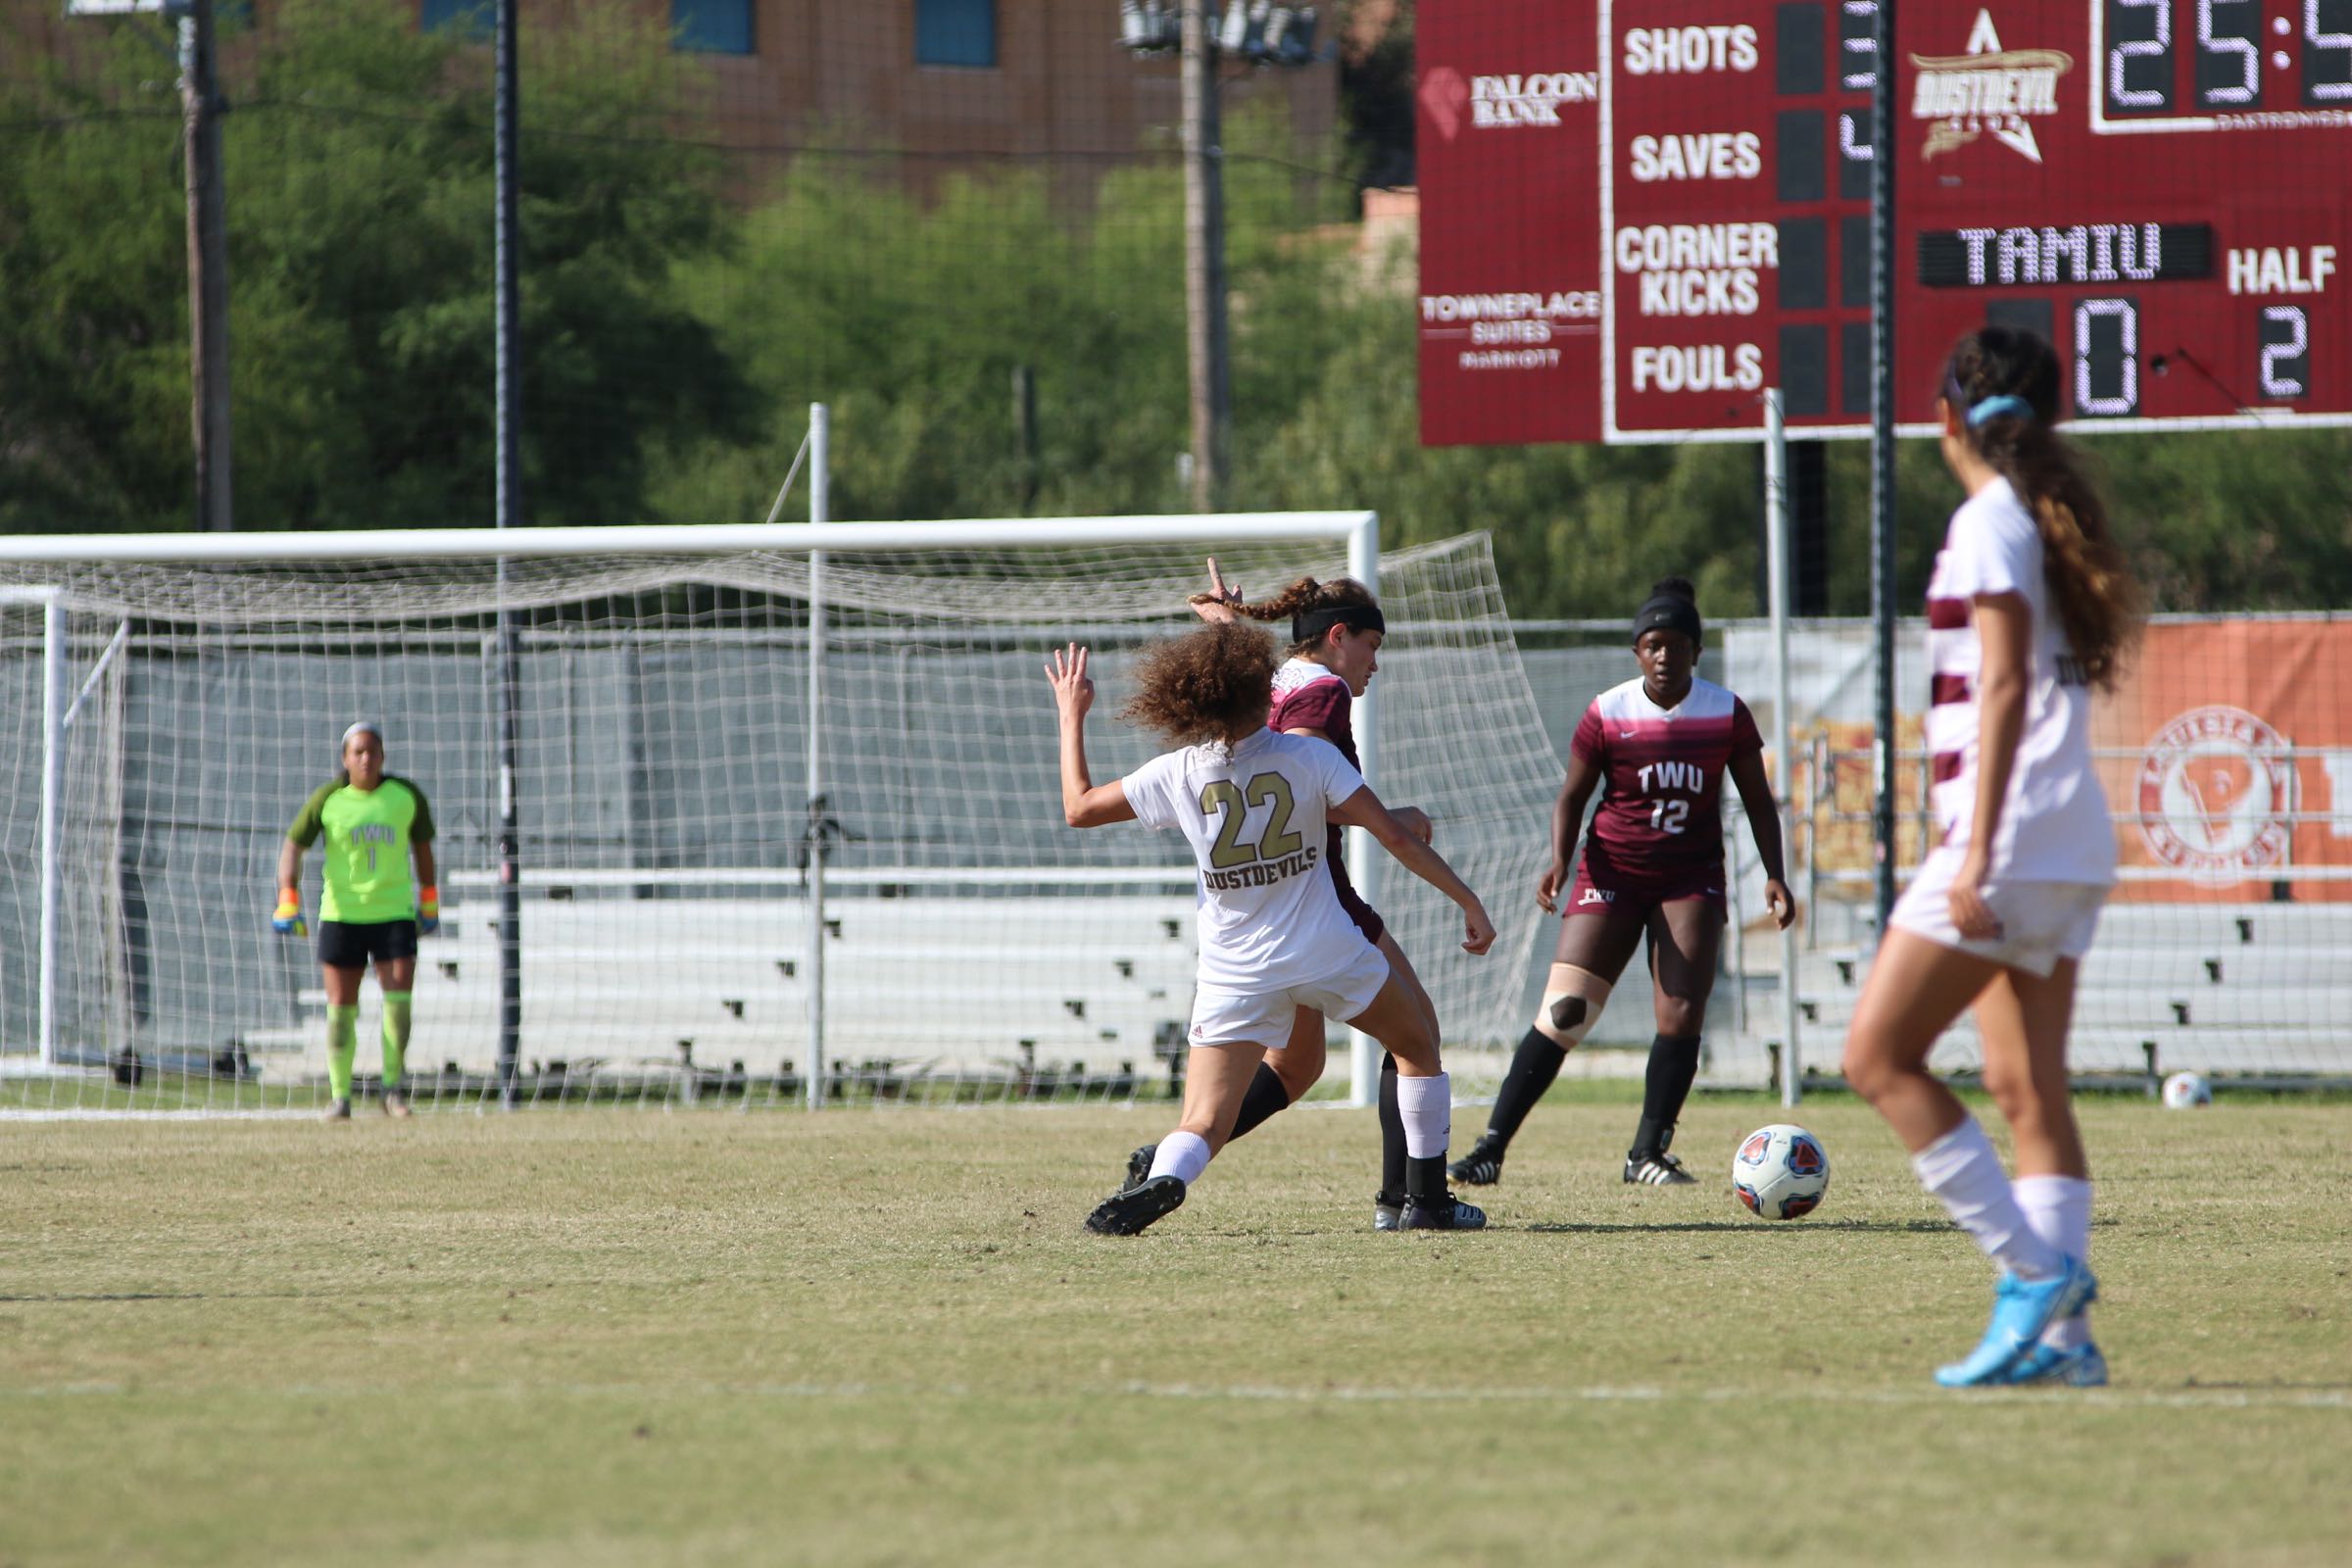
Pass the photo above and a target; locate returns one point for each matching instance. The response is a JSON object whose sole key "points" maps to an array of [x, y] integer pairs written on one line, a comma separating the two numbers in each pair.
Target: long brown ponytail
{"points": [[2098, 599]]}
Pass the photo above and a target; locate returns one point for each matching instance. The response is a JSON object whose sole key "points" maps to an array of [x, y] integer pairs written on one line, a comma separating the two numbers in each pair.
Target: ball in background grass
{"points": [[2186, 1090], [1780, 1172]]}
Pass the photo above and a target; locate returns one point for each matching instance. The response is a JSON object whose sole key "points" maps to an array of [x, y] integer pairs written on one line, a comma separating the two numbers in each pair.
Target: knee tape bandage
{"points": [[1572, 1001]]}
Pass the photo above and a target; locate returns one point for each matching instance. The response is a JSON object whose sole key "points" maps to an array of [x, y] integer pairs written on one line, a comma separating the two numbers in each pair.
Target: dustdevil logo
{"points": [[1806, 1156], [1988, 88], [2217, 794]]}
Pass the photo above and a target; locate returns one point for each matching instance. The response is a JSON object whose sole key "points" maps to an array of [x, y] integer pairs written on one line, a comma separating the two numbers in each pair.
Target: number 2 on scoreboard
{"points": [[2285, 350]]}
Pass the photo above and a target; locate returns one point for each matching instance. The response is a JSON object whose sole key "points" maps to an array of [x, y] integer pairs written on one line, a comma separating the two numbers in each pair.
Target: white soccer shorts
{"points": [[2041, 922], [1263, 1018]]}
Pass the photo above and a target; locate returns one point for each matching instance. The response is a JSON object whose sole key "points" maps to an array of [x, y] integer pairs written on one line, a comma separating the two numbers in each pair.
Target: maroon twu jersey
{"points": [[1306, 696], [1661, 796]]}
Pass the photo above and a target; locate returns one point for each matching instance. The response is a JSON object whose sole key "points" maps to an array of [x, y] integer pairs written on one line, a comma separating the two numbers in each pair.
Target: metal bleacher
{"points": [[2240, 990], [932, 984]]}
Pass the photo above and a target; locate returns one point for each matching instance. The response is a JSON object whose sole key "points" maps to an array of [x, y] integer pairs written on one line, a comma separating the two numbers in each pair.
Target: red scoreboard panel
{"points": [[1636, 214]]}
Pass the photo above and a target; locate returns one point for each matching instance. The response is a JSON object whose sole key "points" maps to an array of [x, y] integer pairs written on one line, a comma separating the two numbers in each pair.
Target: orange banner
{"points": [[2223, 751]]}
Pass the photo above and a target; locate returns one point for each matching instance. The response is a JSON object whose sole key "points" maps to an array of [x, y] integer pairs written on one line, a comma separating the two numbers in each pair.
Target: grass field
{"points": [[582, 1337]]}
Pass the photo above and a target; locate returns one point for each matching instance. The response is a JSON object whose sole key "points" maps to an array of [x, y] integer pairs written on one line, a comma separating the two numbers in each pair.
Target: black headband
{"points": [[1310, 626], [1672, 611]]}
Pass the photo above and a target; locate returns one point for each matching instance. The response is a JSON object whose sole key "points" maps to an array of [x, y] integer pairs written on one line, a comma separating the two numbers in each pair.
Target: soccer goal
{"points": [[789, 823]]}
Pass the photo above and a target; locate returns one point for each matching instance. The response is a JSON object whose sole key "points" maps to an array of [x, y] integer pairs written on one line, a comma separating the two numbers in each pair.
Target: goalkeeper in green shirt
{"points": [[374, 822]]}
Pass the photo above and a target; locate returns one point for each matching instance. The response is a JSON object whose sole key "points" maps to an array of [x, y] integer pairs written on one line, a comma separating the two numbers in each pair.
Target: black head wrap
{"points": [[1672, 611], [1308, 626]]}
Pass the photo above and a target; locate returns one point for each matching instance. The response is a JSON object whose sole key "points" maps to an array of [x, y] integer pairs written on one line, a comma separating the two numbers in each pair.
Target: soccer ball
{"points": [[1780, 1172], [2186, 1090]]}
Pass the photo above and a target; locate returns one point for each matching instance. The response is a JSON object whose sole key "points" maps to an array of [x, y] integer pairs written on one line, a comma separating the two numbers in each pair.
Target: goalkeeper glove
{"points": [[428, 912], [288, 920]]}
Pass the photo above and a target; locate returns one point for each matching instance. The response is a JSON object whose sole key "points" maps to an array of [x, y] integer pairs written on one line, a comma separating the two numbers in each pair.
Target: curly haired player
{"points": [[1337, 633], [1254, 803]]}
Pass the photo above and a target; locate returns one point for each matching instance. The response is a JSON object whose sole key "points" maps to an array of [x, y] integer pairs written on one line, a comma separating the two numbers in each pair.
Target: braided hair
{"points": [[1303, 598]]}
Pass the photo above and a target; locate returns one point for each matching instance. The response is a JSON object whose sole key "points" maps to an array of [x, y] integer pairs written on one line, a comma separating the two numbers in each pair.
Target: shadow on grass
{"points": [[163, 1296], [1889, 1227], [117, 1295]]}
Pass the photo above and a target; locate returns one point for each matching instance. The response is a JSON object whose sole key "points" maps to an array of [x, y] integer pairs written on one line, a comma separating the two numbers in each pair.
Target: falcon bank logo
{"points": [[1503, 102], [1988, 88]]}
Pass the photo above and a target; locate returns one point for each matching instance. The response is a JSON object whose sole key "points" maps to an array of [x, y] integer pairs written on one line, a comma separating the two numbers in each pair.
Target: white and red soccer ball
{"points": [[1780, 1172]]}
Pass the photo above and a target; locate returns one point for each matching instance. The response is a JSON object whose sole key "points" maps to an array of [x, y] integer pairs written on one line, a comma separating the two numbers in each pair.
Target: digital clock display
{"points": [[1636, 214]]}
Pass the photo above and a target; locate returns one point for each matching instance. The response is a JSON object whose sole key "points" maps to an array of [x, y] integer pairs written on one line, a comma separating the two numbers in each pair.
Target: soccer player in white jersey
{"points": [[1658, 748], [2031, 605], [1337, 633], [1254, 803]]}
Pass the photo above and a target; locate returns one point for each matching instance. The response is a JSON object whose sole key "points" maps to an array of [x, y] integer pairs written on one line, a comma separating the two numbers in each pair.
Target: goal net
{"points": [[676, 701]]}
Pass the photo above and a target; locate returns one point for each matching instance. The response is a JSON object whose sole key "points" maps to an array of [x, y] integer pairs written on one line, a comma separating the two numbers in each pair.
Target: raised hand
{"points": [[1073, 688], [1218, 603]]}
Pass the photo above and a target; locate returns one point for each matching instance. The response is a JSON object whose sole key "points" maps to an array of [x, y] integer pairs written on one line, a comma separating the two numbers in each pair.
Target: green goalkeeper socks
{"points": [[342, 1044], [396, 1039]]}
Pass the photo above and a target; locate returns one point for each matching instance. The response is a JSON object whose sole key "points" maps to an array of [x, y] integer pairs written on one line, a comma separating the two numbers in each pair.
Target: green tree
{"points": [[359, 165]]}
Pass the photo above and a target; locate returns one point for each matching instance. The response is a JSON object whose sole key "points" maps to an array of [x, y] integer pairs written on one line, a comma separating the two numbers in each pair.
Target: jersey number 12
{"points": [[1668, 816]]}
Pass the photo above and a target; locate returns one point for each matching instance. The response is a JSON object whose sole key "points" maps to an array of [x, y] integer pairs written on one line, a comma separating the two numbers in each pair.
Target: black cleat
{"points": [[1138, 1168], [1444, 1212], [1660, 1169], [1130, 1213], [1480, 1167], [1388, 1212]]}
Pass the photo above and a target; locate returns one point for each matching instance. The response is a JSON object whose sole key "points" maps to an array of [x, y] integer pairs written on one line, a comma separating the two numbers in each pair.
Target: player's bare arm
{"points": [[1567, 819], [2004, 634], [1084, 804], [1363, 809], [1764, 826]]}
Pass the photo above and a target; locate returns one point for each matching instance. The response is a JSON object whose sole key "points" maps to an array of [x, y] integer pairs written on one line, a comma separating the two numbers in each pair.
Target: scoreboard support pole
{"points": [[1777, 574], [1882, 453]]}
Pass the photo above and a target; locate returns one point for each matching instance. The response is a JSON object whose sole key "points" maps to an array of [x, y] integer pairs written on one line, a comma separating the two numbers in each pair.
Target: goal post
{"points": [[720, 726]]}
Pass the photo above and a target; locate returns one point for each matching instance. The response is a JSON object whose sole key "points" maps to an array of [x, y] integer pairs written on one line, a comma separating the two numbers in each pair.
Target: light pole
{"points": [[1263, 33]]}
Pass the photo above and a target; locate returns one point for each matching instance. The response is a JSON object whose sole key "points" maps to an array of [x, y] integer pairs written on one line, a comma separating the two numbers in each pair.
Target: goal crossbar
{"points": [[694, 539]]}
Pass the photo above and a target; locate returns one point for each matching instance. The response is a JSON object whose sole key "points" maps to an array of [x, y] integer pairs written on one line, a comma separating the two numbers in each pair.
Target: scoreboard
{"points": [[1637, 215]]}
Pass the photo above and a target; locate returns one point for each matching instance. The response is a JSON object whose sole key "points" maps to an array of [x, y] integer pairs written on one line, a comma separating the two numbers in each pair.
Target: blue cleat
{"points": [[2022, 1310], [2080, 1367]]}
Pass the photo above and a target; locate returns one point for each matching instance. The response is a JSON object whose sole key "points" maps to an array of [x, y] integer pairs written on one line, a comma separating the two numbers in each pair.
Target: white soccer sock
{"points": [[2058, 1207], [1965, 1174], [1427, 1106], [1181, 1155]]}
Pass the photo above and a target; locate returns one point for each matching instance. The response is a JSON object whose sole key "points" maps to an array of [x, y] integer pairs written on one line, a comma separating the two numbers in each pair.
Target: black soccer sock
{"points": [[1534, 1066], [1264, 1097], [1425, 1180], [1391, 1133], [1673, 1065]]}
